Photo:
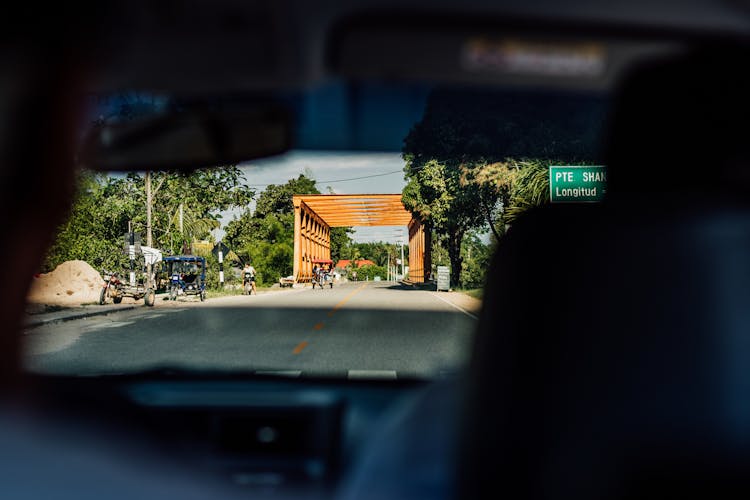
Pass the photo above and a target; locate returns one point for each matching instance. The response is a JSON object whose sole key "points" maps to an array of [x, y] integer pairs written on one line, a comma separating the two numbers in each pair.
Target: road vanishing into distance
{"points": [[355, 330]]}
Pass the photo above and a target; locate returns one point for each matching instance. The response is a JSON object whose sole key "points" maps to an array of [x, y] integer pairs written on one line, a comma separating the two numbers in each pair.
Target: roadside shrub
{"points": [[212, 271], [369, 272]]}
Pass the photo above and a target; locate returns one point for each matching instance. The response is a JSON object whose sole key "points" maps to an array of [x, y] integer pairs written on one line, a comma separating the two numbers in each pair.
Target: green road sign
{"points": [[577, 184]]}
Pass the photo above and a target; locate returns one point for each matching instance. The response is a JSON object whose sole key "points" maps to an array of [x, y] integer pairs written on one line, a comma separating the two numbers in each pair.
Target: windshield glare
{"points": [[339, 262]]}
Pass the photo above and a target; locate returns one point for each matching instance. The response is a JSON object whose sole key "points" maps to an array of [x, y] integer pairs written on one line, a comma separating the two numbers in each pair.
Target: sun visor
{"points": [[441, 51]]}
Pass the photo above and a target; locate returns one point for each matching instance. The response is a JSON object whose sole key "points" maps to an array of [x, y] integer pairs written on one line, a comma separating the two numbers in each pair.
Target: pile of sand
{"points": [[72, 283]]}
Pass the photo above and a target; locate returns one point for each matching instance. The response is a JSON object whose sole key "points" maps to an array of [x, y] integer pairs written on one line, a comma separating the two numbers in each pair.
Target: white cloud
{"points": [[332, 169]]}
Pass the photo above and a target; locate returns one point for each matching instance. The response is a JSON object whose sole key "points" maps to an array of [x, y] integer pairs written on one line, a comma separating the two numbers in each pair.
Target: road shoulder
{"points": [[73, 313], [464, 303]]}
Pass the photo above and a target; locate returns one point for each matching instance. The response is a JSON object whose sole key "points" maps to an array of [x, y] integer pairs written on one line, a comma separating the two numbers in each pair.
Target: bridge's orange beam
{"points": [[315, 215]]}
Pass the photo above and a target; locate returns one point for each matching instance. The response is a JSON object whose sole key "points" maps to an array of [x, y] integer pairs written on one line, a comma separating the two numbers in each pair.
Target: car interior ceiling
{"points": [[623, 376]]}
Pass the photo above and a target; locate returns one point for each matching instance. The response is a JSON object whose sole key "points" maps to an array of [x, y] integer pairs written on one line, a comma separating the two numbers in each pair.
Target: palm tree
{"points": [[508, 188], [530, 189], [189, 226]]}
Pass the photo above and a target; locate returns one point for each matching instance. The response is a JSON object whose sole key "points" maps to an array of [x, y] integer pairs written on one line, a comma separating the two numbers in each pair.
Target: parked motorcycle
{"points": [[112, 288], [175, 286]]}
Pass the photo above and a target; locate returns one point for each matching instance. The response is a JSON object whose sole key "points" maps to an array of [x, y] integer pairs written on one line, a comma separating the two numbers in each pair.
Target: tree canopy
{"points": [[187, 206], [466, 155]]}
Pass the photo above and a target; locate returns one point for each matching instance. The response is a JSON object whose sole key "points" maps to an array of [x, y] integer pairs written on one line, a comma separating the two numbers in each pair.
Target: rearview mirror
{"points": [[187, 139]]}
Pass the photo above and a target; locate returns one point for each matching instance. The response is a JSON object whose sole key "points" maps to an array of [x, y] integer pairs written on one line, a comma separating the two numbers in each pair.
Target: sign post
{"points": [[577, 184], [221, 268], [220, 250], [443, 278], [131, 253]]}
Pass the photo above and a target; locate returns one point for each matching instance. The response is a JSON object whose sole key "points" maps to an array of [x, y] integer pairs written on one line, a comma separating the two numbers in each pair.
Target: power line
{"points": [[363, 177], [341, 180]]}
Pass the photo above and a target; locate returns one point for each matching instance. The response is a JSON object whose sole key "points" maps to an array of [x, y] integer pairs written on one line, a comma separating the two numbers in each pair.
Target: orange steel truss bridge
{"points": [[316, 214]]}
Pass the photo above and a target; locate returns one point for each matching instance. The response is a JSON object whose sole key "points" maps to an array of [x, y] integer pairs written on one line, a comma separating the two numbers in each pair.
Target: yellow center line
{"points": [[345, 300], [319, 326], [299, 347]]}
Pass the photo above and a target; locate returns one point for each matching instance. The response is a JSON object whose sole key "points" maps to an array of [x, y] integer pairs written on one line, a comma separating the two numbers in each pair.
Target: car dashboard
{"points": [[266, 436]]}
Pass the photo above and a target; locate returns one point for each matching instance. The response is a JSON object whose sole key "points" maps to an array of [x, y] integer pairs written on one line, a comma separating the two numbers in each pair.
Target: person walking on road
{"points": [[248, 278]]}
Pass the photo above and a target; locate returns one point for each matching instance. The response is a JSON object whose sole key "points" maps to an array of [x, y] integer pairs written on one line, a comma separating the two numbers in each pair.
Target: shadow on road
{"points": [[323, 341], [430, 287]]}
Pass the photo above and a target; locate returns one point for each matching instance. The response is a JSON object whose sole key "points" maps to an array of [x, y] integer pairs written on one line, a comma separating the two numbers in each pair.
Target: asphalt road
{"points": [[371, 330]]}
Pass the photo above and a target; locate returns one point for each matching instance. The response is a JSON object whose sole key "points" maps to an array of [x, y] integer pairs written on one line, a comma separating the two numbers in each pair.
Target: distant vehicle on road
{"points": [[186, 275], [322, 273], [288, 281]]}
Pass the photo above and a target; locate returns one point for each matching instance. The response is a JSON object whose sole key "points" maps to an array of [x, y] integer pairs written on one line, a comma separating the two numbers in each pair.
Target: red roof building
{"points": [[344, 263]]}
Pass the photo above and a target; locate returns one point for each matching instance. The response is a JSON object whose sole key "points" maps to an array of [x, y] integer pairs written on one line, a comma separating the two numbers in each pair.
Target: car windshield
{"points": [[182, 267], [361, 253]]}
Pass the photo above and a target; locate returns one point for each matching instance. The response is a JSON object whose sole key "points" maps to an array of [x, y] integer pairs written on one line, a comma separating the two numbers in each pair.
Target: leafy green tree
{"points": [[188, 205], [463, 136], [104, 206], [476, 258], [475, 255], [266, 242], [379, 252], [494, 182], [340, 243], [488, 126], [95, 227], [517, 184], [369, 272], [439, 251], [435, 193], [529, 189]]}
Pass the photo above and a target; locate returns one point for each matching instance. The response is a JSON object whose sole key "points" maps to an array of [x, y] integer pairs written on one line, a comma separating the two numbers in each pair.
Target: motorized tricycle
{"points": [[322, 275], [186, 275]]}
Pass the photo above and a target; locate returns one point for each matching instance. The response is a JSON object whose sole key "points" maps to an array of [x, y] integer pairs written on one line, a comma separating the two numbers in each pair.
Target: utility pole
{"points": [[131, 252], [180, 220], [402, 259], [400, 235], [149, 239], [221, 264]]}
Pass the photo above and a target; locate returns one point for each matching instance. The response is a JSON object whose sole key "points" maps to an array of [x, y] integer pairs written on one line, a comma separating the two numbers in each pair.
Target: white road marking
{"points": [[437, 296], [152, 316], [114, 324], [372, 374], [280, 373]]}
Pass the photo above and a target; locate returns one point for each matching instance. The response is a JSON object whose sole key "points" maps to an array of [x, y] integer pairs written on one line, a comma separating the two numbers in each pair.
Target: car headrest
{"points": [[680, 124], [612, 355]]}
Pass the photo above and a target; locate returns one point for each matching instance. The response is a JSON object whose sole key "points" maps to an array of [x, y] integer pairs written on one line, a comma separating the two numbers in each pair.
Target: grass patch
{"points": [[228, 292], [477, 293]]}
